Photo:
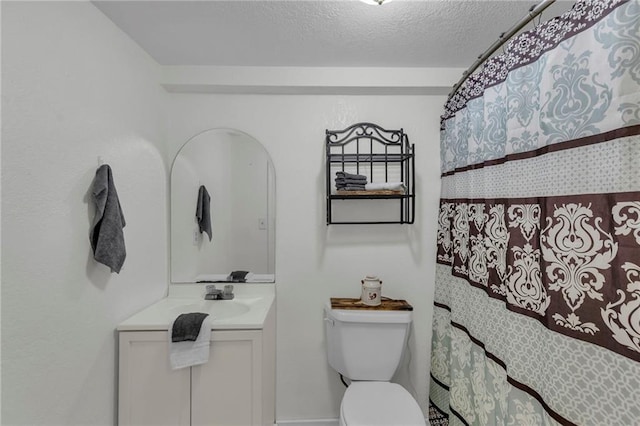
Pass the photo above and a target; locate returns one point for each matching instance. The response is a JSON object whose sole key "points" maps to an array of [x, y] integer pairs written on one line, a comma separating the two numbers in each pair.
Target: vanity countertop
{"points": [[247, 311]]}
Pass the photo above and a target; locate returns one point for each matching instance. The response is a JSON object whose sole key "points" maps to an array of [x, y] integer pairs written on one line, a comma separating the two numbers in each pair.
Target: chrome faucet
{"points": [[214, 293]]}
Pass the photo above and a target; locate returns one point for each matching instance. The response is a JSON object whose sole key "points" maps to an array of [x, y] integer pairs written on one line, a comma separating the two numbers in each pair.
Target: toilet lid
{"points": [[380, 404]]}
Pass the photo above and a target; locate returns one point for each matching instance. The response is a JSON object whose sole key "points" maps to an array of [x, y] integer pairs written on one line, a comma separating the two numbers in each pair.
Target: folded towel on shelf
{"points": [[107, 236], [188, 352], [345, 175], [203, 212], [352, 185], [389, 186], [340, 181], [351, 188], [344, 183], [350, 182]]}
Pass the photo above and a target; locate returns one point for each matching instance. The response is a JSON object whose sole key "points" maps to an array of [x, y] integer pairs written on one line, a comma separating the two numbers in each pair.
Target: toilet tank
{"points": [[366, 344]]}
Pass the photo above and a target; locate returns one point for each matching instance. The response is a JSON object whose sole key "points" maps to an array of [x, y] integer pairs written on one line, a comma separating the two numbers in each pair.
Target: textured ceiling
{"points": [[346, 33]]}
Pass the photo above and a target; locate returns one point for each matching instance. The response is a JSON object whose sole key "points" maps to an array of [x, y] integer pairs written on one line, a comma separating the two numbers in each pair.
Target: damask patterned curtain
{"points": [[537, 299]]}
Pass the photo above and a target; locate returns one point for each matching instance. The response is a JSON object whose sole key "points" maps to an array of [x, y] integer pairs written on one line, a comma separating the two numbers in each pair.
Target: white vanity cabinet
{"points": [[236, 386]]}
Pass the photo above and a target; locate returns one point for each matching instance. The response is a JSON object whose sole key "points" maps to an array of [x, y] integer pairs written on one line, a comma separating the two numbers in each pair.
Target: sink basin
{"points": [[218, 309]]}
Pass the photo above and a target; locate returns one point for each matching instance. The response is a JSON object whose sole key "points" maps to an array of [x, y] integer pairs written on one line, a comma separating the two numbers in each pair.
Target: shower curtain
{"points": [[537, 296]]}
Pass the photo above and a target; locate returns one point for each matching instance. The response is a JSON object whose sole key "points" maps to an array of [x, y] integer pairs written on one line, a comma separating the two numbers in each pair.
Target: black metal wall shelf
{"points": [[364, 158], [381, 155]]}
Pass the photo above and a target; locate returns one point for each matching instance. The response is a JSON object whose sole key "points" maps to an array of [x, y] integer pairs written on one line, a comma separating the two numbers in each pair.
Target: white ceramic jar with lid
{"points": [[371, 290]]}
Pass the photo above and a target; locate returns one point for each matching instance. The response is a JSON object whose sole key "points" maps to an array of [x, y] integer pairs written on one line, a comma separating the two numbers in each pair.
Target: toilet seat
{"points": [[379, 404]]}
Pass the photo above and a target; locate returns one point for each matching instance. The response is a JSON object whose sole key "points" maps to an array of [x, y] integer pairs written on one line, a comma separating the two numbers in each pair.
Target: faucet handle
{"points": [[214, 293], [227, 293]]}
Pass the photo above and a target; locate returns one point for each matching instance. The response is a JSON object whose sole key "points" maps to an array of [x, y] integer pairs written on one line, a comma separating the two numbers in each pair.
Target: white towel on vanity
{"points": [[189, 353]]}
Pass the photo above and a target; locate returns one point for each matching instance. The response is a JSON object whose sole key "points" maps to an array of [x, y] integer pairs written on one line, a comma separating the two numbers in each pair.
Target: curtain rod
{"points": [[534, 11]]}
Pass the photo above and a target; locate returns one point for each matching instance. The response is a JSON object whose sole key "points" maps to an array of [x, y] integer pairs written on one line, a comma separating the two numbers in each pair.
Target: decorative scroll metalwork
{"points": [[368, 130]]}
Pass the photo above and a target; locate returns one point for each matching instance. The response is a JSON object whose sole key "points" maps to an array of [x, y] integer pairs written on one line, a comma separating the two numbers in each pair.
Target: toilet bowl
{"points": [[379, 404], [366, 347]]}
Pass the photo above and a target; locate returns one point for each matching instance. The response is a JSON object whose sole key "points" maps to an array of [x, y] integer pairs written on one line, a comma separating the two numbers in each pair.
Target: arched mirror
{"points": [[222, 209]]}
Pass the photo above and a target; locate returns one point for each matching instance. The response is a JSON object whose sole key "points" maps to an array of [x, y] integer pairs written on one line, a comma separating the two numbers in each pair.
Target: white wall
{"points": [[74, 88], [315, 262]]}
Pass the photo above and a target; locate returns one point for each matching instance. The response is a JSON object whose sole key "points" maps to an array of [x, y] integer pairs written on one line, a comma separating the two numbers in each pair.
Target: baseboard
{"points": [[312, 422]]}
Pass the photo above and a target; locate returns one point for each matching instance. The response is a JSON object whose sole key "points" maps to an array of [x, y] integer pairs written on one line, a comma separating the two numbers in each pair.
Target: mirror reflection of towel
{"points": [[107, 237], [203, 213]]}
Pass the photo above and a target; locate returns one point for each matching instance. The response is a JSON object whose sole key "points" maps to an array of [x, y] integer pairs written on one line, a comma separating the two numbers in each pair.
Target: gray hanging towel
{"points": [[186, 327], [203, 212], [107, 238]]}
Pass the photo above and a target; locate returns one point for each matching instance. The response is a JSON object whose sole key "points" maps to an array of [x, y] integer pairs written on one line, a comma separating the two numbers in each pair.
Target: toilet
{"points": [[366, 347]]}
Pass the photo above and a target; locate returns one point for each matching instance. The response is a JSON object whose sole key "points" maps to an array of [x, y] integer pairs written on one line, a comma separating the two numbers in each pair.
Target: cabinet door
{"points": [[150, 392], [228, 389]]}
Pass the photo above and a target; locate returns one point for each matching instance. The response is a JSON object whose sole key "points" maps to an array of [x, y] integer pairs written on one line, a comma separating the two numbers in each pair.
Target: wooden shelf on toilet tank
{"points": [[386, 305]]}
